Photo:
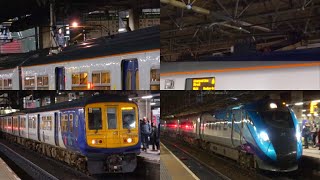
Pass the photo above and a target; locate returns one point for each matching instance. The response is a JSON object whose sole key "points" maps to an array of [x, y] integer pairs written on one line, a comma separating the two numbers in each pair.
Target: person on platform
{"points": [[153, 136], [145, 132], [306, 134], [314, 133]]}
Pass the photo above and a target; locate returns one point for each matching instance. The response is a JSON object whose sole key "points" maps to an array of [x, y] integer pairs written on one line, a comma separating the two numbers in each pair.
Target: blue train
{"points": [[263, 134], [98, 134]]}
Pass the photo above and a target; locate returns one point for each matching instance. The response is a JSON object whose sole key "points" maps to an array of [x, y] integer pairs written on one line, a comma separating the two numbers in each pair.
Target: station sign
{"points": [[205, 83]]}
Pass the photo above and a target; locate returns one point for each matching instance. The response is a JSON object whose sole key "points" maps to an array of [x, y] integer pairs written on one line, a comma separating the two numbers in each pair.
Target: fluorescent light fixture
{"points": [[303, 115], [308, 115], [152, 104], [122, 30], [298, 103], [147, 97], [316, 100], [303, 110]]}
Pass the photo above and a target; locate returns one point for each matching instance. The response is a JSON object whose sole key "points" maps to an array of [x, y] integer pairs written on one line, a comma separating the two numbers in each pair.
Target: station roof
{"points": [[213, 26], [139, 40], [40, 14]]}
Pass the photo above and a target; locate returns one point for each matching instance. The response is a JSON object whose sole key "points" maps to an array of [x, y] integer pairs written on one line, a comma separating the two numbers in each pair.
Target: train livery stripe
{"points": [[94, 58], [242, 69]]}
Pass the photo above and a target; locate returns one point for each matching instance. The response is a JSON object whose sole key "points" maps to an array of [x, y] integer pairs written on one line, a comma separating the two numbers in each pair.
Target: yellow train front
{"points": [[108, 134]]}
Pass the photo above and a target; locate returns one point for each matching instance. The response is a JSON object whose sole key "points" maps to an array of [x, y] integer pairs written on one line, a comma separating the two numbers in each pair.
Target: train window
{"points": [[128, 118], [29, 82], [23, 122], [64, 121], [0, 83], [101, 80], [112, 118], [7, 83], [155, 79], [76, 118], [94, 118], [128, 81], [71, 122], [79, 81], [42, 83]]}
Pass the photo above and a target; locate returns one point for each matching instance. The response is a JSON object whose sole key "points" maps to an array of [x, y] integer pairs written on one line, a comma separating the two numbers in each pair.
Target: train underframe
{"points": [[97, 164]]}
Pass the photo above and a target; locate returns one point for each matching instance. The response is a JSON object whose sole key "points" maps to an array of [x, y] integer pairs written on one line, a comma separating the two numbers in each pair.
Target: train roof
{"points": [[81, 102], [139, 40], [188, 67]]}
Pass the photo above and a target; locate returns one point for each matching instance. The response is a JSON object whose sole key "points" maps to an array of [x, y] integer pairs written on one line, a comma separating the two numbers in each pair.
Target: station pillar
{"points": [[134, 19], [297, 96], [144, 109]]}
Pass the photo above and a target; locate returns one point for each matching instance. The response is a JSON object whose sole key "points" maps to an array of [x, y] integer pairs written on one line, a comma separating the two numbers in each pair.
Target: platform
{"points": [[311, 152], [171, 168], [150, 155], [6, 172]]}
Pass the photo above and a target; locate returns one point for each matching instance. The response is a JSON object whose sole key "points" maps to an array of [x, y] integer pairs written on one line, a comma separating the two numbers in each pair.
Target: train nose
{"points": [[285, 146]]}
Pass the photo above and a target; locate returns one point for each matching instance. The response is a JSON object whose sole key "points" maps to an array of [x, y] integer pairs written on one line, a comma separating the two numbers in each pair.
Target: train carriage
{"points": [[98, 134], [129, 61]]}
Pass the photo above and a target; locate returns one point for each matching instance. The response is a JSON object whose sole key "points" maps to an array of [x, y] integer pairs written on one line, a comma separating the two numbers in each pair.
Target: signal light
{"points": [[89, 85]]}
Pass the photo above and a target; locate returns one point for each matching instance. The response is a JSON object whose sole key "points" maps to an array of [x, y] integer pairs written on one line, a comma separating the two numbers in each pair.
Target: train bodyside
{"points": [[108, 147], [138, 64]]}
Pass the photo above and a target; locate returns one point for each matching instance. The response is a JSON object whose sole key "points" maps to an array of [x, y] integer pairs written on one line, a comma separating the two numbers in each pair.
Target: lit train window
{"points": [[42, 83], [101, 80], [64, 121], [29, 82], [79, 81], [155, 79], [7, 84], [71, 122], [128, 118], [94, 119], [112, 118]]}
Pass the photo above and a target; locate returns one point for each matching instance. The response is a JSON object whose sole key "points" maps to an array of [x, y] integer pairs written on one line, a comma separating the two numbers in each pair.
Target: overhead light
{"points": [[152, 104], [303, 110], [147, 97], [303, 115], [189, 6], [273, 105], [75, 24], [308, 115], [316, 100], [122, 30], [298, 103]]}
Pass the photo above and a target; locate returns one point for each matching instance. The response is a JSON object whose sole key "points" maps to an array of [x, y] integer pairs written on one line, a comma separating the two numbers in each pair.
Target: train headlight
{"points": [[129, 140], [273, 106], [94, 141], [264, 136], [169, 84]]}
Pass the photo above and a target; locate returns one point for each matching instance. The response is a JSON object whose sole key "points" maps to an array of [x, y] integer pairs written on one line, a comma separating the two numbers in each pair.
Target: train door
{"points": [[130, 74], [60, 78], [70, 130], [112, 129], [38, 128], [56, 128]]}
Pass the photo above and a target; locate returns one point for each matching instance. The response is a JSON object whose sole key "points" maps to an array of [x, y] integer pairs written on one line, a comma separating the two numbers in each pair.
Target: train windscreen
{"points": [[279, 119]]}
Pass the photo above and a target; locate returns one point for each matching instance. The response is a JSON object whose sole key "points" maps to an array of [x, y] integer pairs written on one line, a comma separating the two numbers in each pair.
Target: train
{"points": [[261, 135], [280, 70], [127, 61], [97, 134]]}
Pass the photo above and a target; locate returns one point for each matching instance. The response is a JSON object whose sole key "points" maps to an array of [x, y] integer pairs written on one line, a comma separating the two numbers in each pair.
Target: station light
{"points": [[75, 24], [273, 105], [299, 104], [152, 104], [147, 97], [122, 30]]}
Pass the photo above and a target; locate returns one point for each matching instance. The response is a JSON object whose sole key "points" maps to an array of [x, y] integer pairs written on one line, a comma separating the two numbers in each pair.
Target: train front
{"points": [[277, 137], [112, 137]]}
